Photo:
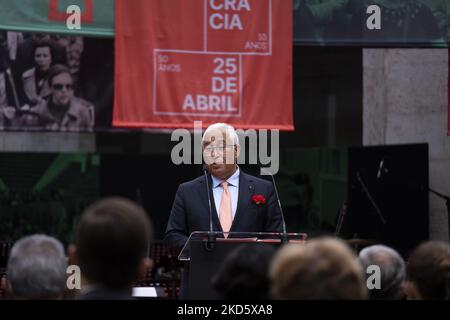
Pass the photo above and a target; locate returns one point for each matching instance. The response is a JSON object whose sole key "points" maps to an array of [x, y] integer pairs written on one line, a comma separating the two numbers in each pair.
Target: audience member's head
{"points": [[112, 245], [428, 272], [245, 273], [319, 269], [392, 271], [37, 268]]}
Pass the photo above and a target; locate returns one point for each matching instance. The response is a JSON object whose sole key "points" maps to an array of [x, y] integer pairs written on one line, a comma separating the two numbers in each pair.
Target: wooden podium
{"points": [[206, 252]]}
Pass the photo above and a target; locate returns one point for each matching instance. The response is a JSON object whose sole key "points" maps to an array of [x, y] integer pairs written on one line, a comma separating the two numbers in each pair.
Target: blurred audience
{"points": [[37, 269], [244, 274], [113, 239], [392, 268], [428, 272], [321, 269]]}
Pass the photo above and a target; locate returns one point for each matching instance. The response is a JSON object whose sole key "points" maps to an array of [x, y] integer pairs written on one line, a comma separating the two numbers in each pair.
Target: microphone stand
{"points": [[410, 184], [284, 236], [211, 237], [340, 223], [372, 201], [447, 202]]}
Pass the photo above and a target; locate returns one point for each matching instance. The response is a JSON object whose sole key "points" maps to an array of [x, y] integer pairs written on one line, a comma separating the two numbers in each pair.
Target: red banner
{"points": [[179, 61]]}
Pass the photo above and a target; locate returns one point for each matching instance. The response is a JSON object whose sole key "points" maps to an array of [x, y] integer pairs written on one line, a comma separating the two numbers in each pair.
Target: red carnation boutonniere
{"points": [[258, 199]]}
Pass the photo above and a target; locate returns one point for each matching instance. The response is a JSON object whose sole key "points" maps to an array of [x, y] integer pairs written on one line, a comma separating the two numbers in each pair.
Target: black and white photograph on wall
{"points": [[52, 82]]}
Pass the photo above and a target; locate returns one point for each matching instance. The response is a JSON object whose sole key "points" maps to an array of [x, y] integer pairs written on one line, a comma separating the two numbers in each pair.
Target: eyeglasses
{"points": [[59, 86], [218, 149]]}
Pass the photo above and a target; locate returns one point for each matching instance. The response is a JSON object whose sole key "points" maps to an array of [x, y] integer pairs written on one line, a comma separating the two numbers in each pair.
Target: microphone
{"points": [[211, 238], [284, 236], [381, 168]]}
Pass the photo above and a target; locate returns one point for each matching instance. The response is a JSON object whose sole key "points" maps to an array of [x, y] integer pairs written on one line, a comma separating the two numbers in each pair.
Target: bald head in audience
{"points": [[392, 271], [319, 269]]}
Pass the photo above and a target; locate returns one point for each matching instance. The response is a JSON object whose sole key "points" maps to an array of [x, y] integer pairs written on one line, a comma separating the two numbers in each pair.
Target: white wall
{"points": [[405, 101]]}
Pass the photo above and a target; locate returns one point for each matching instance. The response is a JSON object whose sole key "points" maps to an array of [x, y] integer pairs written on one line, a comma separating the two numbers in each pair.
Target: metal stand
{"points": [[447, 202], [372, 201]]}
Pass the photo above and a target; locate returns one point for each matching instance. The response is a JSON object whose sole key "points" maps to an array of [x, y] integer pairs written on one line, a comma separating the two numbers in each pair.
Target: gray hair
{"points": [[37, 268], [392, 269], [224, 128]]}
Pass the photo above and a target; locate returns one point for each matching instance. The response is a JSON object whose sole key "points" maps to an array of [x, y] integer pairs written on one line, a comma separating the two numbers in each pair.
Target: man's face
{"points": [[220, 154], [42, 58], [62, 89]]}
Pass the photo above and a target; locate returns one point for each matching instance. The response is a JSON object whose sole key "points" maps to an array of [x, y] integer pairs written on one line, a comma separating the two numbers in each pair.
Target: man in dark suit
{"points": [[232, 190]]}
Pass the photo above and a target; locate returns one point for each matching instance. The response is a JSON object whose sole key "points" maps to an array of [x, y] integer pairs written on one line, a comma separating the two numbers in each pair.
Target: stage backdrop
{"points": [[216, 61], [372, 23], [402, 23]]}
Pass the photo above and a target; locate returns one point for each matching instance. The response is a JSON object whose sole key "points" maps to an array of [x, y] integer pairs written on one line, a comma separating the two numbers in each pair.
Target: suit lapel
{"points": [[204, 195], [246, 190]]}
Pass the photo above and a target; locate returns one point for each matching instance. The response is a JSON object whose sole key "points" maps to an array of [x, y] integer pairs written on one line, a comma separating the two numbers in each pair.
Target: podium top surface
{"points": [[239, 237]]}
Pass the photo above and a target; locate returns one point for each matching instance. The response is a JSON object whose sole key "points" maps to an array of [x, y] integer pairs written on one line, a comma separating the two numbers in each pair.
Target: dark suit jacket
{"points": [[190, 212], [102, 293]]}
